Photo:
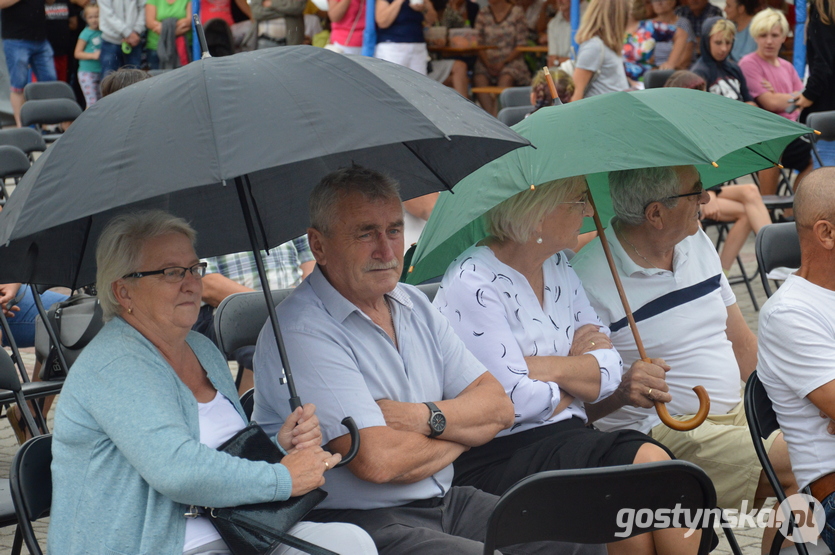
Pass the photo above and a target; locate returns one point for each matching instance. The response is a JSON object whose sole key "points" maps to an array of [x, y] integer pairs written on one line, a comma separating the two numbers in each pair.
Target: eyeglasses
{"points": [[584, 200], [174, 274], [697, 194]]}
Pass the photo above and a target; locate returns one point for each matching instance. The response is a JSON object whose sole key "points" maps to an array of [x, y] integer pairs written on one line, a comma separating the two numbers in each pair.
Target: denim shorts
{"points": [[828, 532], [21, 54]]}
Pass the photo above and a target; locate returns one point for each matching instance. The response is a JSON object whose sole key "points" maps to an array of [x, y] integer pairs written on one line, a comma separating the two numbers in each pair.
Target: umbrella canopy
{"points": [[282, 117], [723, 138]]}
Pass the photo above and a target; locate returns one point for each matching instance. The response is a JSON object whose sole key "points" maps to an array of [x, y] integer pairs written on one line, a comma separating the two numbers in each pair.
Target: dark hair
{"points": [[325, 197], [750, 6], [122, 78]]}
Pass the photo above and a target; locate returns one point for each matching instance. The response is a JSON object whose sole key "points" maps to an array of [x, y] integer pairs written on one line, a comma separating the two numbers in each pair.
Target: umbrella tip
{"points": [[714, 164], [779, 166], [411, 269], [816, 131], [533, 187]]}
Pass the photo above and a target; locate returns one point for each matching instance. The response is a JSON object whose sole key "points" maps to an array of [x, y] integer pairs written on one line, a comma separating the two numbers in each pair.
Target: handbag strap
{"points": [[354, 25], [298, 543]]}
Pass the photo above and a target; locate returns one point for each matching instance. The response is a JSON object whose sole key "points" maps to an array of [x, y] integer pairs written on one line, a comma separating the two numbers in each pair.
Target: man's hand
{"points": [[300, 430], [8, 291], [589, 338], [405, 417], [640, 379], [133, 39], [767, 86]]}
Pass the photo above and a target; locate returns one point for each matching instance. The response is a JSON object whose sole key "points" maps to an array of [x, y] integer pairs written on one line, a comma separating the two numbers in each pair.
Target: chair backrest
{"points": [[13, 162], [10, 381], [43, 90], [48, 112], [823, 122], [31, 482], [514, 114], [762, 422], [777, 245], [25, 138], [430, 289], [515, 96], [240, 317], [248, 402], [583, 506], [655, 79]]}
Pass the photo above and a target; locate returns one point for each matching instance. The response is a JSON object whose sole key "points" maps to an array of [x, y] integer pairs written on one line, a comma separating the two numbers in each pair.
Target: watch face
{"points": [[438, 422]]}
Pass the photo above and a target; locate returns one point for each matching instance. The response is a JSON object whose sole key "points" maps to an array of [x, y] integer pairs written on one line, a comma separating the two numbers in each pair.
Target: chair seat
{"points": [[32, 390], [778, 201]]}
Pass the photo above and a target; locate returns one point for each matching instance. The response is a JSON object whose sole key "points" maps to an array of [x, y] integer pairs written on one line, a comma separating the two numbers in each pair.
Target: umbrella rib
{"points": [[429, 167], [764, 157]]}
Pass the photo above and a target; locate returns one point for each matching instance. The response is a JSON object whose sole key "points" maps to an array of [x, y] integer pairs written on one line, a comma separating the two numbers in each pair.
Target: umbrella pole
{"points": [[287, 377], [660, 408], [245, 196]]}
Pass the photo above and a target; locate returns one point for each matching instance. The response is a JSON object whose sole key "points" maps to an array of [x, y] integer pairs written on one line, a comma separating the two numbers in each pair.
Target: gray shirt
{"points": [[744, 44], [343, 363], [595, 57]]}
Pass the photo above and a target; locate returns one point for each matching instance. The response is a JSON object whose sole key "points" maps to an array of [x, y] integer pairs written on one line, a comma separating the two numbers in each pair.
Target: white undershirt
{"points": [[218, 420]]}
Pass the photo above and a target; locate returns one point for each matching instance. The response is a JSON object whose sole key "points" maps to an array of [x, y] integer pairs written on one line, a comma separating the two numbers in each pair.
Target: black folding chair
{"points": [[25, 138], [582, 506], [13, 391], [248, 402], [762, 422], [825, 123], [50, 111], [31, 484], [513, 114], [239, 319], [777, 245], [515, 96], [43, 90], [722, 229], [13, 164], [655, 78]]}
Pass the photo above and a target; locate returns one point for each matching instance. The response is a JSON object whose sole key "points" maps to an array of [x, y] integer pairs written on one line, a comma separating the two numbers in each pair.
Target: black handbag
{"points": [[260, 528]]}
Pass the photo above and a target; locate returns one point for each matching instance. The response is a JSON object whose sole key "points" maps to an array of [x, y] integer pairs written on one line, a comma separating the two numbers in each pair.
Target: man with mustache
{"points": [[687, 315], [364, 346]]}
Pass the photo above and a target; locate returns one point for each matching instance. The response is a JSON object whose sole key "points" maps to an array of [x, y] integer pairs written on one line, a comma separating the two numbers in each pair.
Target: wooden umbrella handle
{"points": [[551, 86], [660, 408]]}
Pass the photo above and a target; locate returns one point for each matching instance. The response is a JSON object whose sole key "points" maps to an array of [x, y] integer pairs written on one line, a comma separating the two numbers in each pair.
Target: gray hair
{"points": [[371, 184], [516, 218], [633, 190], [120, 245]]}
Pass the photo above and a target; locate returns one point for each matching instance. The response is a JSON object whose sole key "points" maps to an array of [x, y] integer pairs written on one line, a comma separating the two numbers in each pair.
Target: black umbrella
{"points": [[234, 145]]}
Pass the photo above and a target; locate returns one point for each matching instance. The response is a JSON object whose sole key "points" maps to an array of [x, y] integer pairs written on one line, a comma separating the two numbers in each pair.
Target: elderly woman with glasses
{"points": [[517, 304], [145, 407]]}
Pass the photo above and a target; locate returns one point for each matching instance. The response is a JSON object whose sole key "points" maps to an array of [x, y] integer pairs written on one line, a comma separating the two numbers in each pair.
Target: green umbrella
{"points": [[723, 138]]}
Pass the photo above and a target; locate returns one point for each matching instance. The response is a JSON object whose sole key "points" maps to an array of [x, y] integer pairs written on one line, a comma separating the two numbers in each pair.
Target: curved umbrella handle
{"points": [[349, 423], [685, 425]]}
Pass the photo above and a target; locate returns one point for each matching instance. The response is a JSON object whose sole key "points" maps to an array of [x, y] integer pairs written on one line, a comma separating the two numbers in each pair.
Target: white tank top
{"points": [[218, 420]]}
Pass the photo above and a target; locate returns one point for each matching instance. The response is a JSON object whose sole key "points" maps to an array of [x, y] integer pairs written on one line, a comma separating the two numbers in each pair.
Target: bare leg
{"points": [[662, 542], [458, 79], [247, 381], [752, 203], [779, 457], [768, 180], [16, 100], [734, 241], [801, 175], [487, 101]]}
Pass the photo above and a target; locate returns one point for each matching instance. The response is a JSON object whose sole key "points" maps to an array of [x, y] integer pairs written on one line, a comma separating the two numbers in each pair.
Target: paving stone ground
{"points": [[748, 538]]}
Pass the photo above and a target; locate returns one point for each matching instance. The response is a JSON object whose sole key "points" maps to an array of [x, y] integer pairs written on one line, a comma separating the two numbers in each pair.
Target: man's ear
{"points": [[316, 243], [652, 214], [824, 231]]}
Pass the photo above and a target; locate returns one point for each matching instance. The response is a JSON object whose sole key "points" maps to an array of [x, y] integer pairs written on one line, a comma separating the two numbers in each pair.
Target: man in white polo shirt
{"points": [[687, 315], [797, 346]]}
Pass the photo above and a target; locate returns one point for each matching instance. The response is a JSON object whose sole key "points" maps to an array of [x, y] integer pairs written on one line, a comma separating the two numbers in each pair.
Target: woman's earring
{"points": [[130, 311], [539, 241]]}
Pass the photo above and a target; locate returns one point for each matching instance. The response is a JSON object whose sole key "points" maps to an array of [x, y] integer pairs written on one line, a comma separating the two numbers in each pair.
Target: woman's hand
{"points": [[802, 102], [307, 468], [589, 338], [300, 430]]}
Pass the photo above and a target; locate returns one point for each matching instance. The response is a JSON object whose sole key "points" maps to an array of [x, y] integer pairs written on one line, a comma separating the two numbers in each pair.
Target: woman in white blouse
{"points": [[519, 307]]}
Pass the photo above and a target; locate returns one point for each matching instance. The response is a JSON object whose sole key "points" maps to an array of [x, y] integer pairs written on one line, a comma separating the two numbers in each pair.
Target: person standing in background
{"points": [[122, 23]]}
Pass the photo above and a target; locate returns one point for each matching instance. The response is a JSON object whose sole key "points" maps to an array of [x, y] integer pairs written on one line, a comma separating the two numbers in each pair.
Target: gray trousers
{"points": [[455, 524]]}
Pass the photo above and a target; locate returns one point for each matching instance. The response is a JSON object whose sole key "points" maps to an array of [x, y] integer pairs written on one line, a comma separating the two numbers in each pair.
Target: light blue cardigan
{"points": [[127, 458]]}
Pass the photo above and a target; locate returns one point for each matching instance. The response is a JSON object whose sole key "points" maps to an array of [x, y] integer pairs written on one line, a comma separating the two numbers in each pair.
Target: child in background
{"points": [[87, 51]]}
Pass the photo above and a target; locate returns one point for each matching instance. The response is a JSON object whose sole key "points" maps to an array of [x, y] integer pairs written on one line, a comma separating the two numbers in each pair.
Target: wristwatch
{"points": [[437, 420]]}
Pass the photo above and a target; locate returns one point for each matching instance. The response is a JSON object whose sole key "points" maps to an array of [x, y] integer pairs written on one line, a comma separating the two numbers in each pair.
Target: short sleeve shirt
{"points": [[92, 43], [595, 57], [344, 363], [796, 356], [682, 316], [782, 77]]}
